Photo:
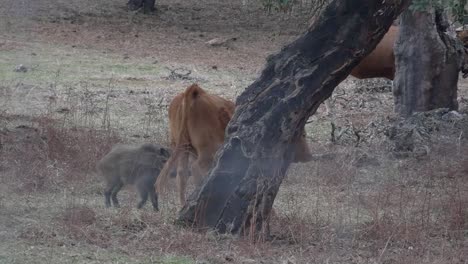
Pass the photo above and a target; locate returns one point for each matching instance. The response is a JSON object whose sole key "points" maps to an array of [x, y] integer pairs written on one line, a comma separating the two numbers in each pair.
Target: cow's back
{"points": [[207, 121], [380, 63]]}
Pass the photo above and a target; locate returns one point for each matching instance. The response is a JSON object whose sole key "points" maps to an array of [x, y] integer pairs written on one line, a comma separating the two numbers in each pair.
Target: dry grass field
{"points": [[96, 75]]}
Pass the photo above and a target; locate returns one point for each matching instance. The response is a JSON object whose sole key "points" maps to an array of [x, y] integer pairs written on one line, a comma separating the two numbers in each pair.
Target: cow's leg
{"points": [[182, 176], [201, 166], [154, 198]]}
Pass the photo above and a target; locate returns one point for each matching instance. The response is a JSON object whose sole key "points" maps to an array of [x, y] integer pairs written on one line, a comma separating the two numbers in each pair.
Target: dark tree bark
{"points": [[146, 5], [238, 194], [428, 58]]}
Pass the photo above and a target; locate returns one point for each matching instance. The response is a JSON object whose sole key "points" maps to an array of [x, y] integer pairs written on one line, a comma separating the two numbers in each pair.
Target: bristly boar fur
{"points": [[132, 165]]}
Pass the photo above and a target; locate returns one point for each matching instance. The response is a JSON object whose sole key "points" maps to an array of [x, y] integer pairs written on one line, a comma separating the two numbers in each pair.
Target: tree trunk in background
{"points": [[238, 194], [146, 5], [427, 60]]}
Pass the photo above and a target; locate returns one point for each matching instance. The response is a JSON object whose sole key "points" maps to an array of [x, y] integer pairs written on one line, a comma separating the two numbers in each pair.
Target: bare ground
{"points": [[98, 75]]}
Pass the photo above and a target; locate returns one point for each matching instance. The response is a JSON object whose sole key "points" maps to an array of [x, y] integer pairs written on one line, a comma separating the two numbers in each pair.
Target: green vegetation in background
{"points": [[46, 64]]}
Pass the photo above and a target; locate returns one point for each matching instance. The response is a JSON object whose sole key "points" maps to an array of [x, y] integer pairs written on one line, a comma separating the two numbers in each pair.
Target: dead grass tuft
{"points": [[128, 221], [77, 149], [293, 229], [23, 150], [79, 216], [80, 223], [89, 235], [43, 154], [36, 234]]}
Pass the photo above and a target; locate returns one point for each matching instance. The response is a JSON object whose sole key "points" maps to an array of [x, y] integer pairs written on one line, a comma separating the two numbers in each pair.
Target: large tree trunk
{"points": [[428, 58], [146, 5], [238, 194]]}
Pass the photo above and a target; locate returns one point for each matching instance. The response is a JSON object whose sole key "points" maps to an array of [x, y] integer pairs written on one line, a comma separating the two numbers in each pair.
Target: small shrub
{"points": [[76, 148], [79, 216]]}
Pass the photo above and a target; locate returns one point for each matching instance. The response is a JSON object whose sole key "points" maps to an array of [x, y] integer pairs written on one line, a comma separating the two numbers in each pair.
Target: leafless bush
{"points": [[45, 150], [76, 149], [81, 223], [23, 149]]}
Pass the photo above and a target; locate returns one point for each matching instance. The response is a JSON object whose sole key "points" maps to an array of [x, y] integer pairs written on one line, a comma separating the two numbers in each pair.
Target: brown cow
{"points": [[197, 122], [197, 125], [462, 35], [380, 63]]}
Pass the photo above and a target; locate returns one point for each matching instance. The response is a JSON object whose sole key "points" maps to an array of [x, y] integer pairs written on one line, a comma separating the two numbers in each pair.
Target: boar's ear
{"points": [[165, 152]]}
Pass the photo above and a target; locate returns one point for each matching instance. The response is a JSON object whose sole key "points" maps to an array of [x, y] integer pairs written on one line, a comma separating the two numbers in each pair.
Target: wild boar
{"points": [[132, 165]]}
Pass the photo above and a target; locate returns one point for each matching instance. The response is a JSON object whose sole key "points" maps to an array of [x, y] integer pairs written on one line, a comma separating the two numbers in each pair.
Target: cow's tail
{"points": [[182, 142], [163, 177]]}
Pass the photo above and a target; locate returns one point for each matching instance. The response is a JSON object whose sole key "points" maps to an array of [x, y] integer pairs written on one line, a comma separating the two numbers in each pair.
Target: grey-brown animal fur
{"points": [[132, 165]]}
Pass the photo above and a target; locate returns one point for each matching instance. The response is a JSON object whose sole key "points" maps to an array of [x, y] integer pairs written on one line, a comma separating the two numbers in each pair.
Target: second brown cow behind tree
{"points": [[380, 63], [197, 122]]}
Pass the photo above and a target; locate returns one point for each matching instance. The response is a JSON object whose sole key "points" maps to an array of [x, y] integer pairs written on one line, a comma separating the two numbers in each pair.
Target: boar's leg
{"points": [[145, 186], [116, 190], [144, 197], [107, 195], [111, 186]]}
